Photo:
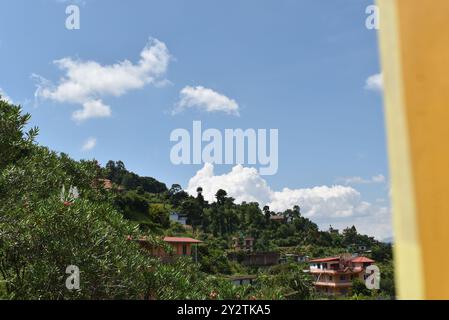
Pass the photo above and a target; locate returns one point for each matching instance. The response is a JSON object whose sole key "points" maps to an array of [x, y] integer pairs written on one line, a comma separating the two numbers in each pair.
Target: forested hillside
{"points": [[43, 231]]}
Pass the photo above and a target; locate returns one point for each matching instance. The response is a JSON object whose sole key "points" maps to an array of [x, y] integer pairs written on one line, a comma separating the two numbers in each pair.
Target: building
{"points": [[334, 275], [108, 185], [278, 218], [182, 246], [176, 217], [291, 257], [358, 248], [247, 245], [244, 253]]}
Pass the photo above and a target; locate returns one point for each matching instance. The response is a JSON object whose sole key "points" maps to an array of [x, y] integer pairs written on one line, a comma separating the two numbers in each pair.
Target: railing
{"points": [[333, 283], [327, 271]]}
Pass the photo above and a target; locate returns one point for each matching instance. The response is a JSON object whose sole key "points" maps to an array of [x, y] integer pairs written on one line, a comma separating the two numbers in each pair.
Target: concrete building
{"points": [[176, 217], [182, 246], [334, 275]]}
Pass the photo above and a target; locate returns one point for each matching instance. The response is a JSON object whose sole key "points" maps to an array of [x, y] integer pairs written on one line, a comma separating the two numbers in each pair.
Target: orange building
{"points": [[334, 275], [182, 246]]}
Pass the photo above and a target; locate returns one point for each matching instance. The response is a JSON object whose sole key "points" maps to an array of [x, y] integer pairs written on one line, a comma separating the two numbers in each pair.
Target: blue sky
{"points": [[297, 66]]}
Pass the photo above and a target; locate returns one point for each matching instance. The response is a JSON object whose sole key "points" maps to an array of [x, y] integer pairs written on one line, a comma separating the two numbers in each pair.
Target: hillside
{"points": [[45, 231]]}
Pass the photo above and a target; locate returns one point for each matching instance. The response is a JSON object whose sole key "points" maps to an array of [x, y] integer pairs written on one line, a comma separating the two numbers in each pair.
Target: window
{"points": [[184, 249]]}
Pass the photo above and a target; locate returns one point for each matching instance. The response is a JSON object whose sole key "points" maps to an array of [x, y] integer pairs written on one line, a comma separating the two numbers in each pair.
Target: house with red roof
{"points": [[181, 246], [334, 275]]}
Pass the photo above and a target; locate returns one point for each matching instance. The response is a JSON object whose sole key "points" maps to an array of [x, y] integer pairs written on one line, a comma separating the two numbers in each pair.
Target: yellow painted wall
{"points": [[414, 40]]}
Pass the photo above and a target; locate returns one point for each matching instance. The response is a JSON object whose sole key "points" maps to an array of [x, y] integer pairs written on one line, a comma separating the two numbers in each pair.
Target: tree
{"points": [[267, 213], [382, 252], [117, 173], [350, 235], [177, 195], [221, 196], [175, 188], [192, 210], [296, 214], [133, 205], [111, 171], [38, 247], [159, 215], [14, 142], [359, 288], [200, 197]]}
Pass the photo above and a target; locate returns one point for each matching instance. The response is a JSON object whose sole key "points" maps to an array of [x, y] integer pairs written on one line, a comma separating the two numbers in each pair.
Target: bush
{"points": [[37, 246]]}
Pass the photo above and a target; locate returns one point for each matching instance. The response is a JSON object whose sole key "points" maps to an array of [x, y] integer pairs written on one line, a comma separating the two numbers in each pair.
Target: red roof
{"points": [[325, 259], [181, 239], [362, 260]]}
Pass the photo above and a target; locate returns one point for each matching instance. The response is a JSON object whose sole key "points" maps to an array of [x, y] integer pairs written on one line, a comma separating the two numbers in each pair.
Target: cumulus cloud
{"points": [[244, 184], [89, 144], [359, 180], [86, 82], [321, 202], [4, 96], [375, 83], [205, 99], [338, 205], [92, 109]]}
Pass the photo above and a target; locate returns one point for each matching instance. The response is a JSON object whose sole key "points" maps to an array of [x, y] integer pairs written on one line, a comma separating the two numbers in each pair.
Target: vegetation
{"points": [[43, 231]]}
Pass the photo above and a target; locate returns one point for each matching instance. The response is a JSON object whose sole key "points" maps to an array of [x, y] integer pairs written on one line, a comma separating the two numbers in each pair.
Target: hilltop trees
{"points": [[177, 195], [117, 173], [350, 235]]}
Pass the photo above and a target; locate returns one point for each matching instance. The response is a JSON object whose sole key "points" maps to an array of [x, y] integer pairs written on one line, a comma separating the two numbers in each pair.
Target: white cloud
{"points": [[375, 83], [321, 202], [359, 180], [205, 99], [244, 184], [380, 178], [338, 205], [92, 109], [5, 97], [86, 82], [89, 144]]}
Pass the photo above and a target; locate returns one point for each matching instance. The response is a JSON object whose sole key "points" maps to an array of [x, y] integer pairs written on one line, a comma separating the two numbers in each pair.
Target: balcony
{"points": [[336, 271], [325, 271], [341, 284]]}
